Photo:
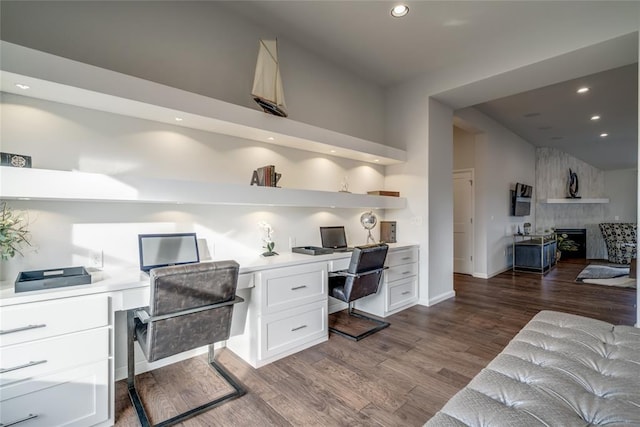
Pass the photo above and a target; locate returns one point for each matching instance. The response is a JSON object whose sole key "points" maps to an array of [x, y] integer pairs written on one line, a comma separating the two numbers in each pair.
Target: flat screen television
{"points": [[521, 200]]}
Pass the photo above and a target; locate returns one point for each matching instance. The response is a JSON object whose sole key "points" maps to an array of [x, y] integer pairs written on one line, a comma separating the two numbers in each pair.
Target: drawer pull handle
{"points": [[406, 258], [298, 328], [406, 292], [12, 423], [24, 328], [26, 365], [298, 287], [406, 272]]}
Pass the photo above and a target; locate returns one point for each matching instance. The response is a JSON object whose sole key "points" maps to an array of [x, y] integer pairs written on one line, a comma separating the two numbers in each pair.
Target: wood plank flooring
{"points": [[400, 376]]}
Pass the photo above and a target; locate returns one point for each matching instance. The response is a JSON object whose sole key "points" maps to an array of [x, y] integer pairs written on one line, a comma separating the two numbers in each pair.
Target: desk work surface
{"points": [[106, 281]]}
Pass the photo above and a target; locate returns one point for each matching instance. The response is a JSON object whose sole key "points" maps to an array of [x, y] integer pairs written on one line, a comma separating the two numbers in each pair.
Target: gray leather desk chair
{"points": [[361, 279], [190, 306]]}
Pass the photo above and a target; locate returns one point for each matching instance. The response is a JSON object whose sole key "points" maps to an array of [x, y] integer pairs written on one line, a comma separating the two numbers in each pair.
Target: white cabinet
{"points": [[55, 358], [399, 288], [286, 313]]}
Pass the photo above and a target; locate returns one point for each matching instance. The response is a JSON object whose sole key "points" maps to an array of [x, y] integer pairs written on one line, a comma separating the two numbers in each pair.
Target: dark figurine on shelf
{"points": [[573, 185]]}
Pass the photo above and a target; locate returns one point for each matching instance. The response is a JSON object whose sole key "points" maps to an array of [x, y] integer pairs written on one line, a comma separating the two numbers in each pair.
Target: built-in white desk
{"points": [[62, 349]]}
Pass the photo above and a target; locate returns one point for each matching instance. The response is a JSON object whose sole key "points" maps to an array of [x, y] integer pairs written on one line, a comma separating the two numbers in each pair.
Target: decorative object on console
{"points": [[384, 193], [267, 83], [344, 188], [266, 176], [388, 230], [573, 185], [269, 244], [14, 232], [368, 221], [526, 227], [15, 160], [48, 279]]}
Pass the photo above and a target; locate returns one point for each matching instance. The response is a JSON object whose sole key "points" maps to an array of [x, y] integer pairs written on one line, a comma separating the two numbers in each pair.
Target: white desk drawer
{"points": [[291, 287], [22, 361], [32, 321], [401, 272], [72, 398], [293, 328], [402, 293], [404, 256]]}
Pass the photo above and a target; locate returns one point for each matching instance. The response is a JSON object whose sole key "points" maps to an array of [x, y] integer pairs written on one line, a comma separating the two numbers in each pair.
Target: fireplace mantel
{"points": [[574, 201]]}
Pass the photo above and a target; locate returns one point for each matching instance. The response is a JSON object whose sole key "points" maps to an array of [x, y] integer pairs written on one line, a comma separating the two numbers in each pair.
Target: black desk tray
{"points": [[311, 250], [38, 280]]}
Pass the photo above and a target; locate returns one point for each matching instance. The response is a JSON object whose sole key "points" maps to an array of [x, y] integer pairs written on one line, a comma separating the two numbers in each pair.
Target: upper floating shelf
{"points": [[45, 184], [63, 80], [574, 201]]}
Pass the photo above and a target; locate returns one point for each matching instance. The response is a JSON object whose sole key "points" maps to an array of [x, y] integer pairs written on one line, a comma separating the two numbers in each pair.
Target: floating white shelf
{"points": [[574, 201], [63, 80], [44, 184]]}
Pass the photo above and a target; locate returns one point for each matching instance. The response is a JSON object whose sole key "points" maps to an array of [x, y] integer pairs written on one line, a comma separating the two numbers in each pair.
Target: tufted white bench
{"points": [[560, 370]]}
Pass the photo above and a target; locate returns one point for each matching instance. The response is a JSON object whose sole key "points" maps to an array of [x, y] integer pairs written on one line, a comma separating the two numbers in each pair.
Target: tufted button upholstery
{"points": [[560, 370]]}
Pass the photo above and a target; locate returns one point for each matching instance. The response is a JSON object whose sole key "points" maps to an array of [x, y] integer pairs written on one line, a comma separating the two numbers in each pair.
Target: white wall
{"points": [[64, 137], [501, 160], [201, 47], [621, 187], [440, 203]]}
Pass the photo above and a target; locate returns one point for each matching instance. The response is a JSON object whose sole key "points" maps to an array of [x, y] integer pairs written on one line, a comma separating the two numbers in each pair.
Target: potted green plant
{"points": [[14, 232]]}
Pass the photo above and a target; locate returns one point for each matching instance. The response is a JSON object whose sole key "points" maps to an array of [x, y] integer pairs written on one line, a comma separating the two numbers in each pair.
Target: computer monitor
{"points": [[161, 250], [333, 237]]}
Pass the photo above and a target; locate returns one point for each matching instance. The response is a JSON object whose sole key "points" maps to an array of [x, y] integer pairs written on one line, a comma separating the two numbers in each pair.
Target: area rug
{"points": [[599, 274]]}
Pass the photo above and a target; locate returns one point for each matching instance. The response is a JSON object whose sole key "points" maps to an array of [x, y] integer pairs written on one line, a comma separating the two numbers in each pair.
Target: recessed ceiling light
{"points": [[399, 11], [22, 86], [179, 119], [376, 160], [604, 135], [332, 151], [583, 90], [595, 117], [271, 138]]}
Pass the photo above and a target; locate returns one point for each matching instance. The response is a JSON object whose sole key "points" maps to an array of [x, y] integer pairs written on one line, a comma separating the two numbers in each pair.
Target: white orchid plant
{"points": [[269, 244]]}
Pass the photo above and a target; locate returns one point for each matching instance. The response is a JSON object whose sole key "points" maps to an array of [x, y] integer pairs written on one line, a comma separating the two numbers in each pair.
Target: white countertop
{"points": [[121, 280]]}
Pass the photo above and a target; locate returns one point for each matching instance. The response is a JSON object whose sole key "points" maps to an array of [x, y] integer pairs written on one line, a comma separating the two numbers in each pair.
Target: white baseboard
{"points": [[480, 275], [489, 276], [440, 298]]}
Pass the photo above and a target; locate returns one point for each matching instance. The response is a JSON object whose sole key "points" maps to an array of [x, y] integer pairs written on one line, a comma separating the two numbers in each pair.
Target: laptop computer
{"points": [[335, 238], [161, 250]]}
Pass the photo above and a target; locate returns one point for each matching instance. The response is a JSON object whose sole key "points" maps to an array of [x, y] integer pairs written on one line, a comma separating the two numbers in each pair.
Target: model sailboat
{"points": [[267, 83]]}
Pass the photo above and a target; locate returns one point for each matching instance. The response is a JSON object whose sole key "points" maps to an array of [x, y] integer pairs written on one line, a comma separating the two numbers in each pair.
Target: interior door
{"points": [[463, 222]]}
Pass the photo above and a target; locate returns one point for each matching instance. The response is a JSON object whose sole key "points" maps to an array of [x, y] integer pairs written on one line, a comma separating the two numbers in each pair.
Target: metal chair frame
{"points": [[381, 324], [144, 317]]}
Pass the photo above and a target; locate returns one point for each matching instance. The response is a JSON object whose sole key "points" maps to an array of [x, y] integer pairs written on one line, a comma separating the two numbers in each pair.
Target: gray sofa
{"points": [[559, 370]]}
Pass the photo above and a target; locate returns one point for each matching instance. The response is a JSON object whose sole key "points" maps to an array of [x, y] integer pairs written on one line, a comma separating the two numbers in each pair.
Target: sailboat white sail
{"points": [[267, 84]]}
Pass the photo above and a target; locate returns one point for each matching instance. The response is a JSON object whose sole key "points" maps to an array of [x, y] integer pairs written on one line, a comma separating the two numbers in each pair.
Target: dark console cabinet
{"points": [[534, 253]]}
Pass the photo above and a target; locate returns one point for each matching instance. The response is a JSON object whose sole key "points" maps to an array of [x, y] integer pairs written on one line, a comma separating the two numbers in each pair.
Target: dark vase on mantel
{"points": [[573, 185]]}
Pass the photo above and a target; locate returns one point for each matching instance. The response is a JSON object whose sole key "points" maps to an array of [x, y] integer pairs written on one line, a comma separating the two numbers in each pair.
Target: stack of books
{"points": [[266, 176]]}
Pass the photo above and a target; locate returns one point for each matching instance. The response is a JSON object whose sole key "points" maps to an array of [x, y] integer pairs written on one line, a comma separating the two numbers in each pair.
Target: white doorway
{"points": [[463, 203]]}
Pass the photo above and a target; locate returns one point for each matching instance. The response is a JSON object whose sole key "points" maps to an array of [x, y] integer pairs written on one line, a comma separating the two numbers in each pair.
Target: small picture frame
{"points": [[15, 160]]}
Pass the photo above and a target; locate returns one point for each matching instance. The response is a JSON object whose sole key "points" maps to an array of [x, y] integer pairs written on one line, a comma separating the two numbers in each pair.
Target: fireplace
{"points": [[572, 242]]}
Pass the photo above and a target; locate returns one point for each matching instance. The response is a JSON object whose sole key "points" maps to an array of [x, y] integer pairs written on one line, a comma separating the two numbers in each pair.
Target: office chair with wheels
{"points": [[361, 279], [190, 306]]}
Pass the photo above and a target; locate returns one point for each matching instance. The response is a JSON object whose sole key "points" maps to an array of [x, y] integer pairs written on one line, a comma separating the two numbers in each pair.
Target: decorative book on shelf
{"points": [[384, 193], [266, 176]]}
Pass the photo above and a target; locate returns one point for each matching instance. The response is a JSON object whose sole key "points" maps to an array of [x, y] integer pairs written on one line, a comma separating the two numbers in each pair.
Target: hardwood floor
{"points": [[399, 376]]}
